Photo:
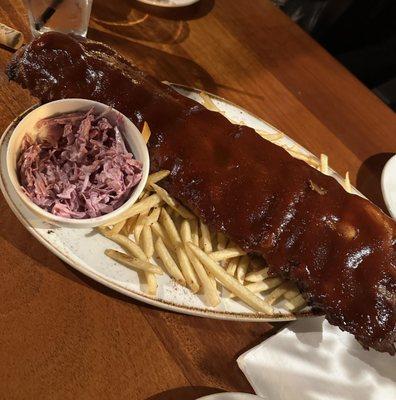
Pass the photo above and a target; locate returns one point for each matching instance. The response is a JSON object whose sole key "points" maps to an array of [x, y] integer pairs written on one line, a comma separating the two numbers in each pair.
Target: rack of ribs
{"points": [[339, 248]]}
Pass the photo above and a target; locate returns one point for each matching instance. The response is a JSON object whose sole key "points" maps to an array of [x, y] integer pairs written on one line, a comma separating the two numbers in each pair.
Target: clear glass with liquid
{"points": [[67, 16]]}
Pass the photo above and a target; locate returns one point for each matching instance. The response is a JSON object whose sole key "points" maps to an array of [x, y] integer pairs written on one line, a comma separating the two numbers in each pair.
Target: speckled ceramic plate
{"points": [[84, 249]]}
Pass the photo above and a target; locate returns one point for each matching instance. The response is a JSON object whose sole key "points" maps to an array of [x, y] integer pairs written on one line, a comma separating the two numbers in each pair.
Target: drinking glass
{"points": [[67, 16]]}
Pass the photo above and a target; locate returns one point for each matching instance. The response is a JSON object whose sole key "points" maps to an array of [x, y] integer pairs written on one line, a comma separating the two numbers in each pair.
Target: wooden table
{"points": [[63, 336]]}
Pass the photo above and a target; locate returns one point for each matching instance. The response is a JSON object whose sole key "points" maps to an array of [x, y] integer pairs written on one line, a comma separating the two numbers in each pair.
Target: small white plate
{"points": [[231, 396], [169, 3], [388, 185]]}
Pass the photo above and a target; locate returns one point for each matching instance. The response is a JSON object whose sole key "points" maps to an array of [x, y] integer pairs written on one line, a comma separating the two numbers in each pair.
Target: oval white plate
{"points": [[388, 185], [231, 396], [84, 250]]}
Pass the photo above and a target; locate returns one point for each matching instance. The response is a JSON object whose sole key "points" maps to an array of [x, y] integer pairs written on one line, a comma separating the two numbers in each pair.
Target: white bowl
{"points": [[28, 125], [388, 185]]}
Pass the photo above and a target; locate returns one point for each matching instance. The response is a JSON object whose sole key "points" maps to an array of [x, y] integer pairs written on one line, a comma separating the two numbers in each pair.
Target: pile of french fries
{"points": [[159, 235]]}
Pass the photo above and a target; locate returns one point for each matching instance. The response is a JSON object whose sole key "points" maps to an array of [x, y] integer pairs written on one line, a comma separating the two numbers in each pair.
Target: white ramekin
{"points": [[28, 125]]}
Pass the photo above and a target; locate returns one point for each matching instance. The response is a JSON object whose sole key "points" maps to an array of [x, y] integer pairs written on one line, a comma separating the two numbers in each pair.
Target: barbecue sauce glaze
{"points": [[338, 247]]}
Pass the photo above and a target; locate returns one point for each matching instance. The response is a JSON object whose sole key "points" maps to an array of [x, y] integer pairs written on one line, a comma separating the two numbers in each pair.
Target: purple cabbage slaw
{"points": [[80, 168]]}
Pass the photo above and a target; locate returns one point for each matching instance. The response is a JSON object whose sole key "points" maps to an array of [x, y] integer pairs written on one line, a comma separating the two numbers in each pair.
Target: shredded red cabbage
{"points": [[80, 168]]}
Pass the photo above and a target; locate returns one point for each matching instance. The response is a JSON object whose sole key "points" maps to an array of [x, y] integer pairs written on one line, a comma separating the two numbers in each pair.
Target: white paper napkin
{"points": [[313, 360]]}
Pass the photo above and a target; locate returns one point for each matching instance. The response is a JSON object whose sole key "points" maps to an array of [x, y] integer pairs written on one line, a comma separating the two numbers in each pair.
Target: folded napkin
{"points": [[313, 360]]}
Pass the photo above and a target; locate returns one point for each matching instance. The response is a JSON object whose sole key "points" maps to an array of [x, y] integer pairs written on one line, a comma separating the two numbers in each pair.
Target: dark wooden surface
{"points": [[62, 336]]}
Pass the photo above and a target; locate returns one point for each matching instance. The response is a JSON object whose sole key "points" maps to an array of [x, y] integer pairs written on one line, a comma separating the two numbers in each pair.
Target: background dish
{"points": [[169, 3]]}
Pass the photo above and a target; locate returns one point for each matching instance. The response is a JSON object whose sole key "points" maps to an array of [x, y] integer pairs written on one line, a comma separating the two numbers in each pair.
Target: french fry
{"points": [[168, 262], [124, 231], [347, 183], [170, 229], [212, 280], [116, 228], [312, 161], [229, 282], [229, 252], [272, 137], [221, 241], [133, 249], [147, 241], [172, 202], [258, 287], [143, 195], [185, 231], [178, 219], [232, 265], [128, 245], [146, 132], [278, 293], [291, 293], [153, 216], [324, 164], [206, 241], [208, 103], [139, 225], [170, 211], [321, 164], [194, 231], [295, 303], [257, 276], [152, 284], [159, 232], [138, 208], [242, 268], [187, 270], [130, 224], [156, 177], [148, 248], [267, 284], [210, 293], [133, 262]]}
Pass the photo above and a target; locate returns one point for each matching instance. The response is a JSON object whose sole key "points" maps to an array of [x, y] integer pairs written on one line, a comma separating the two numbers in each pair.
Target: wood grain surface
{"points": [[63, 336]]}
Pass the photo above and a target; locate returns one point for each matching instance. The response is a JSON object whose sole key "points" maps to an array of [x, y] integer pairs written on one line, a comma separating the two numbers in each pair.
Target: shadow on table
{"points": [[135, 29], [368, 179], [164, 65], [140, 21], [187, 13], [12, 231], [185, 393], [275, 328], [15, 233]]}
